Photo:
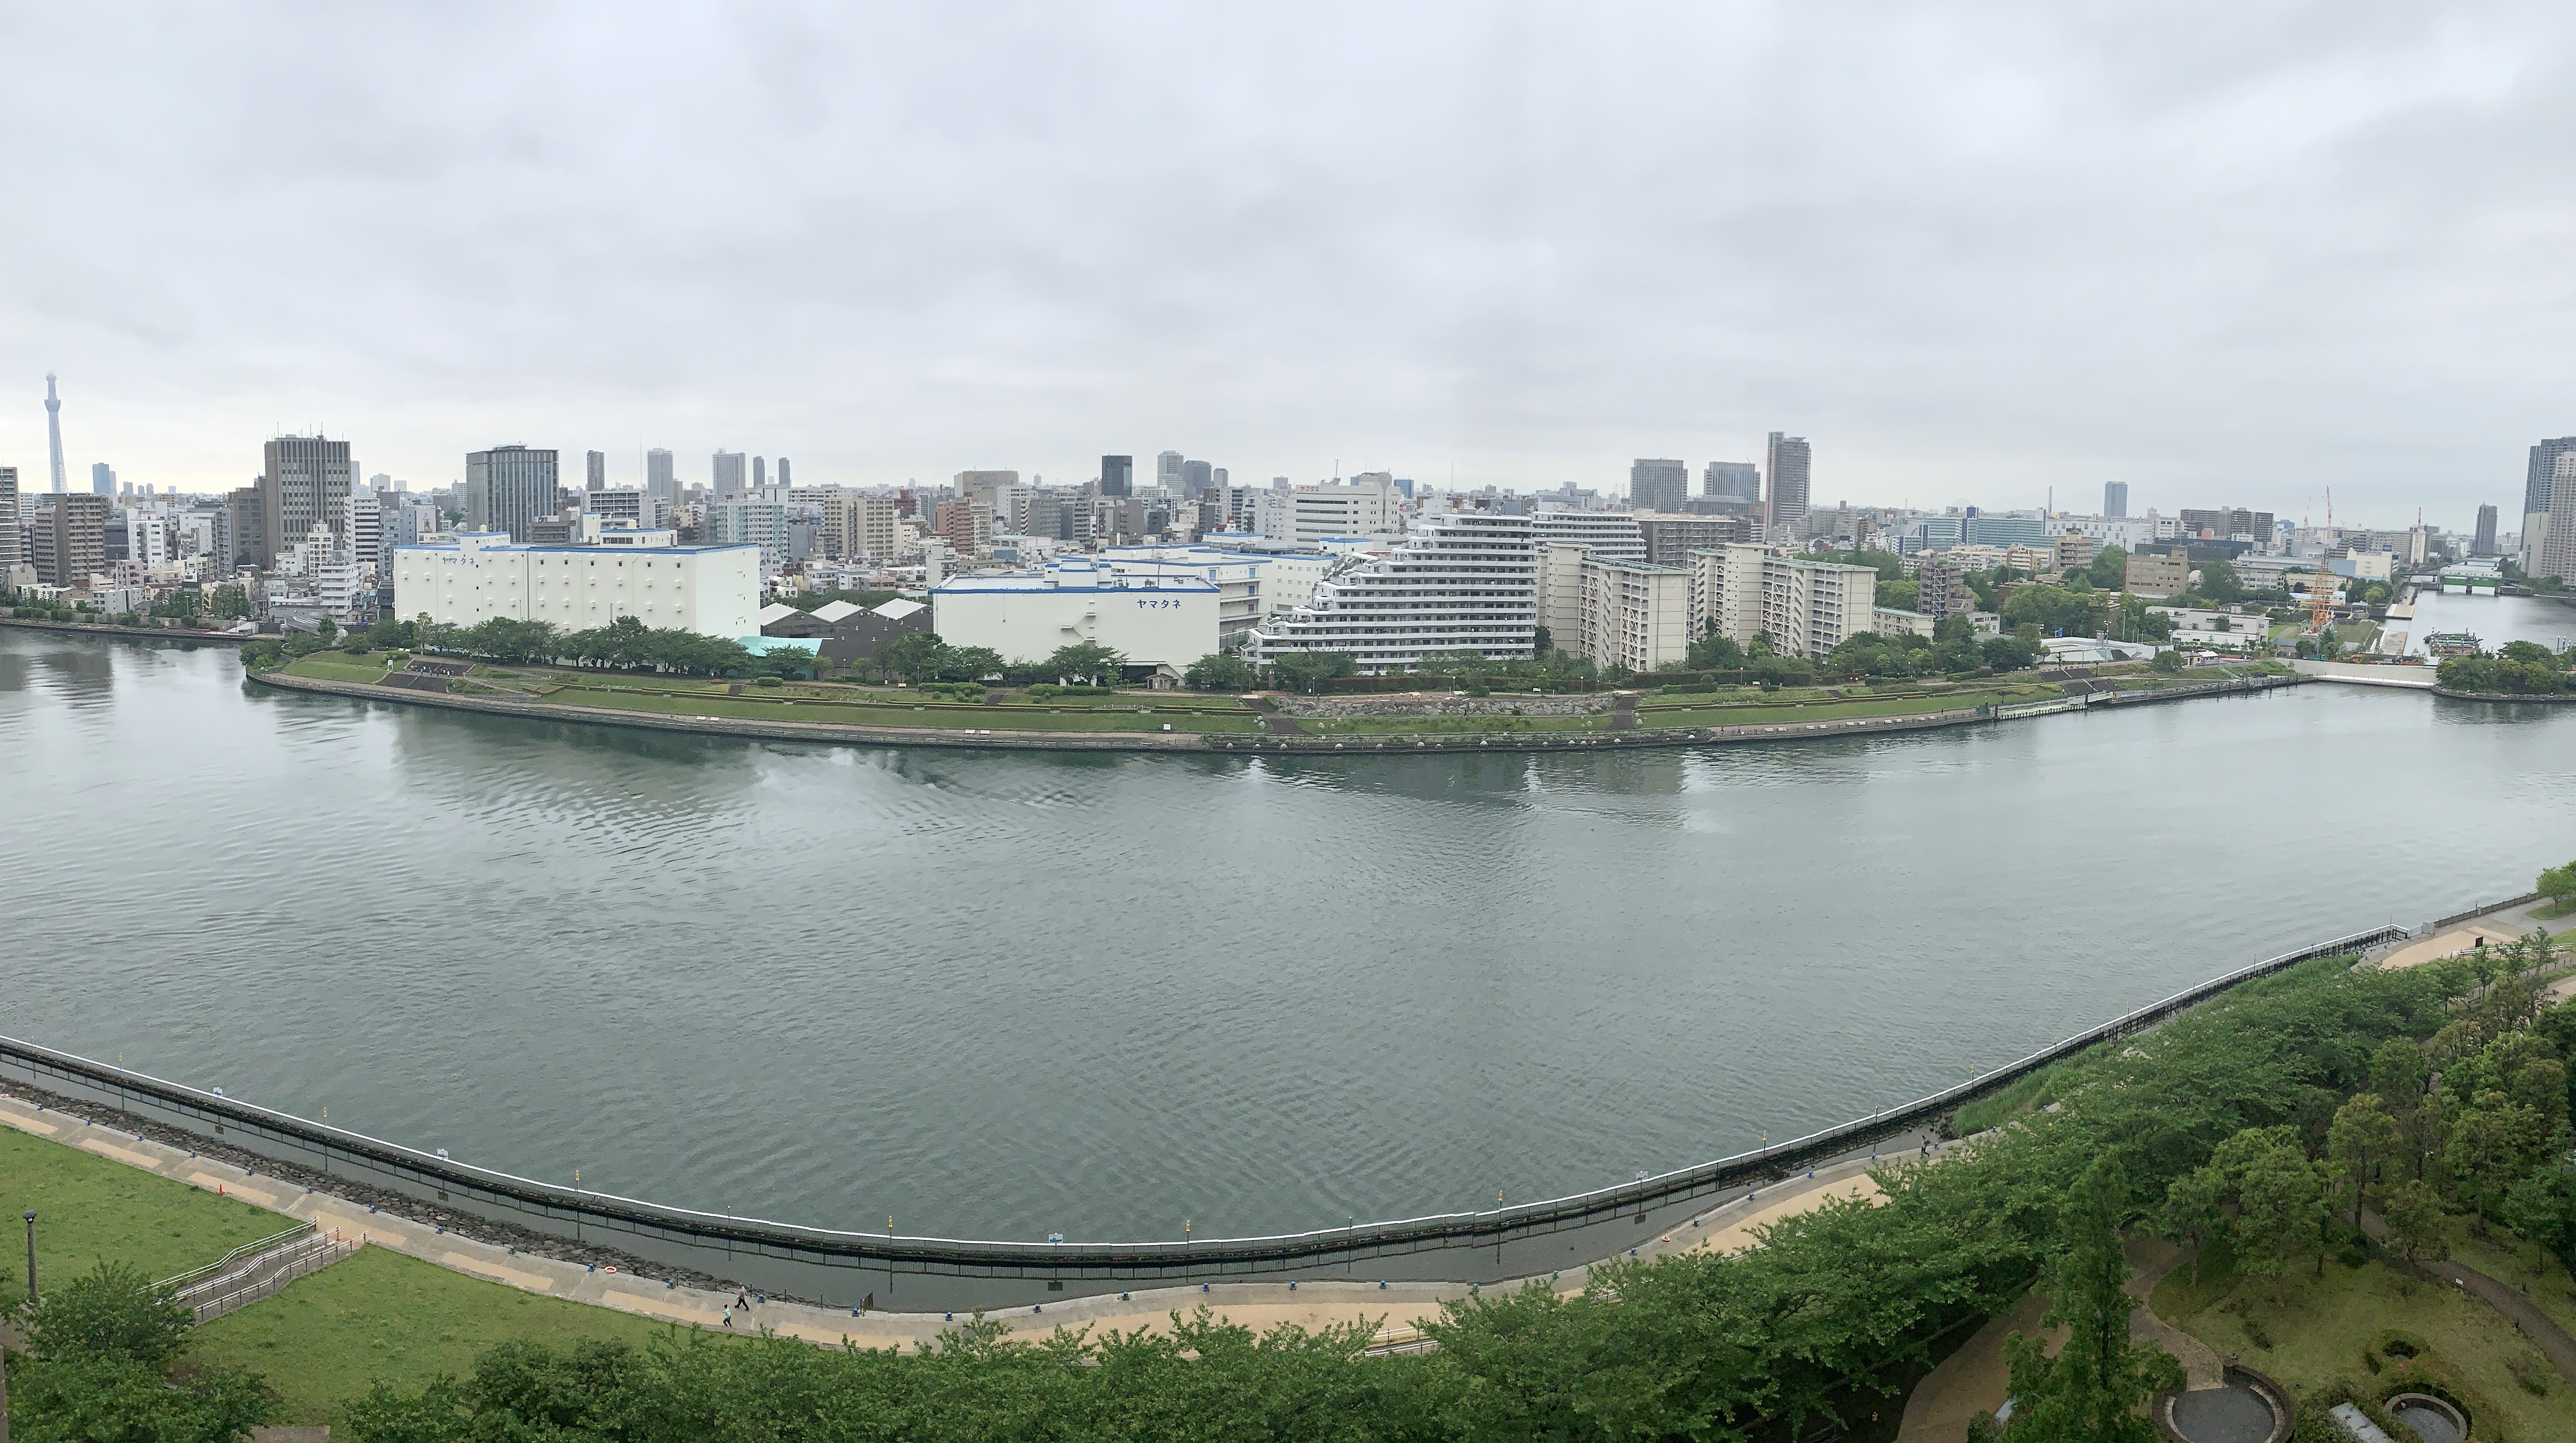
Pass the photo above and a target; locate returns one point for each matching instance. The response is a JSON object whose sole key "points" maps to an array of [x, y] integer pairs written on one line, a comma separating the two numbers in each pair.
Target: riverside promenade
{"points": [[1393, 1309], [988, 739]]}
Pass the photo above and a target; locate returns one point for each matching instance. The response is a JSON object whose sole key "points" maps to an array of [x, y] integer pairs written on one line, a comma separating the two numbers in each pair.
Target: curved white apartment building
{"points": [[1461, 582]]}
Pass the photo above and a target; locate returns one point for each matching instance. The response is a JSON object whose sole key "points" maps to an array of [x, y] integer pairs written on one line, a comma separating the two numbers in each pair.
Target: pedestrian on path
{"points": [[728, 1315]]}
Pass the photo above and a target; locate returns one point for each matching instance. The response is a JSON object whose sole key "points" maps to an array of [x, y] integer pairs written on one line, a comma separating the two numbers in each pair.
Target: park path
{"points": [[1974, 1380], [2553, 1340], [1392, 1309]]}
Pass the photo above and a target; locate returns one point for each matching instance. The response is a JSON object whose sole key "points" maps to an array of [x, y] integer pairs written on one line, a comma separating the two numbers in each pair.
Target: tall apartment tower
{"points": [[595, 471], [70, 538], [1787, 460], [1658, 485], [509, 488], [54, 429], [661, 483], [10, 536], [728, 473], [759, 472], [1117, 475], [782, 472], [2484, 543], [2535, 486], [2115, 499], [2556, 555], [304, 481]]}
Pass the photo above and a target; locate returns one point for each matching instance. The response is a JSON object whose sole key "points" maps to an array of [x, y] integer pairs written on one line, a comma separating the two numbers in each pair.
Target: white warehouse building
{"points": [[610, 574], [1168, 619]]}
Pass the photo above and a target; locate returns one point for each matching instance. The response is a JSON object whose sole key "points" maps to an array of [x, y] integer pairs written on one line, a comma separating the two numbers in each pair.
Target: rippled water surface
{"points": [[1002, 995]]}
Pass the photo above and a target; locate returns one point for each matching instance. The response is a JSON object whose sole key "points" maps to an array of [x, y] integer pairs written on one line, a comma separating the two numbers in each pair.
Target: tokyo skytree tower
{"points": [[54, 429]]}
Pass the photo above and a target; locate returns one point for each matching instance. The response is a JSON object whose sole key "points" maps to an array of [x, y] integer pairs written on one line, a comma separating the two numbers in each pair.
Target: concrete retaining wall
{"points": [[148, 633]]}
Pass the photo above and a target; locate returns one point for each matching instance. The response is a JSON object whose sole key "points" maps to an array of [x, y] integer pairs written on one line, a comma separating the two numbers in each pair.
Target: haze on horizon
{"points": [[2226, 253]]}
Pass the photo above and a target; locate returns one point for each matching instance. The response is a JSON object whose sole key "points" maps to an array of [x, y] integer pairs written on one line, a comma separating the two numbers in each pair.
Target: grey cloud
{"points": [[1974, 251]]}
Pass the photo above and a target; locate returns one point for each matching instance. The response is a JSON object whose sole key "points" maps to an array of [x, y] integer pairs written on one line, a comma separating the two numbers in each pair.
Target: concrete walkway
{"points": [[1392, 1309], [2542, 1329]]}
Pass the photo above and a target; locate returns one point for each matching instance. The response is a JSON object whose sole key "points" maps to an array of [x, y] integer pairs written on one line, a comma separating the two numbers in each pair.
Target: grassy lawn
{"points": [[1000, 718], [91, 1208], [2332, 1322], [384, 1317], [338, 666]]}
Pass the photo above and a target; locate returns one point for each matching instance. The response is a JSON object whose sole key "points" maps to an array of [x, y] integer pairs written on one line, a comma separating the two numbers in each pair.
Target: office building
{"points": [[599, 579], [12, 535], [2227, 523], [102, 479], [305, 481], [246, 525], [1196, 477], [661, 482], [1167, 472], [1118, 476], [509, 488], [725, 476], [1369, 506], [1658, 485], [1149, 619], [1737, 485], [69, 539], [594, 471], [1788, 460], [856, 526], [2484, 544], [2167, 575], [1460, 582], [2115, 499], [2005, 531], [2536, 486], [362, 531]]}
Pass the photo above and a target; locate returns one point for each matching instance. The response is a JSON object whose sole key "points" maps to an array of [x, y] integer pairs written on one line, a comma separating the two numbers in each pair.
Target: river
{"points": [[1012, 994]]}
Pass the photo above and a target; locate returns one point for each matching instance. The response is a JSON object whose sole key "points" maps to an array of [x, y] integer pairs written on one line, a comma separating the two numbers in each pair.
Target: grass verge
{"points": [[2333, 1327], [89, 1208], [384, 1317]]}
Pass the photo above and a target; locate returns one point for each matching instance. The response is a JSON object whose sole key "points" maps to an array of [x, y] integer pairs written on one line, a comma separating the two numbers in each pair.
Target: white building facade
{"points": [[1635, 615], [609, 575], [1462, 582], [1168, 619]]}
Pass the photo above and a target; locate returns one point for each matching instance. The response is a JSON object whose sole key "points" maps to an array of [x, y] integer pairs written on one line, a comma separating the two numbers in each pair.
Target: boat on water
{"points": [[2450, 643]]}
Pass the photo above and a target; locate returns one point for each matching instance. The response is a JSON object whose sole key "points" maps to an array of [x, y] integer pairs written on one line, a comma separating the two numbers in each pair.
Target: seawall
{"points": [[964, 738], [142, 633]]}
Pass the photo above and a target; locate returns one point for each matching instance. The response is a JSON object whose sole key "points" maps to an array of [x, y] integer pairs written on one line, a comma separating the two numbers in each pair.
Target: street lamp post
{"points": [[31, 1257]]}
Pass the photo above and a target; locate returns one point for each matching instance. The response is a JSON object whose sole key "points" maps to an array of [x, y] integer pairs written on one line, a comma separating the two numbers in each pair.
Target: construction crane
{"points": [[2321, 590]]}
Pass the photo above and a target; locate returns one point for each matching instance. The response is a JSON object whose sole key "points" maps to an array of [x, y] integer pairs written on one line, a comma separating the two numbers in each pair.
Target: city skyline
{"points": [[1920, 245]]}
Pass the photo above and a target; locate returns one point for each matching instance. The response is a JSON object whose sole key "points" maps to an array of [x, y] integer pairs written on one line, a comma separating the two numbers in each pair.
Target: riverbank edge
{"points": [[2555, 697], [963, 739], [144, 633]]}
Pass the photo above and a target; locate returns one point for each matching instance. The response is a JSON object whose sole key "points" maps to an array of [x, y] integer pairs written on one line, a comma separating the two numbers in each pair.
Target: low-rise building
{"points": [[2167, 575], [1026, 616], [610, 574], [2071, 550], [1890, 621]]}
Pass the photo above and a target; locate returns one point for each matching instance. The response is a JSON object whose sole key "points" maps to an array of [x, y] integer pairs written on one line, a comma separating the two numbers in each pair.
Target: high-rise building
{"points": [[102, 479], [1658, 485], [2115, 499], [54, 429], [1464, 581], [362, 530], [2557, 550], [1733, 481], [2485, 542], [246, 525], [1788, 459], [70, 537], [1196, 477], [11, 534], [1610, 535], [759, 472], [783, 479], [1167, 471], [303, 484], [661, 483], [509, 488], [595, 471], [857, 526], [728, 473], [2535, 486], [1117, 475]]}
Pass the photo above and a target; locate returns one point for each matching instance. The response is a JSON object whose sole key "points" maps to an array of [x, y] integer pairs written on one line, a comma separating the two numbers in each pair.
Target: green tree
{"points": [[1084, 663], [2167, 662], [1219, 671], [111, 1310], [912, 657], [1307, 671], [2417, 1222], [2092, 1391], [2361, 1137], [2109, 569], [2542, 1207], [974, 663], [2558, 884], [1542, 641], [2219, 582]]}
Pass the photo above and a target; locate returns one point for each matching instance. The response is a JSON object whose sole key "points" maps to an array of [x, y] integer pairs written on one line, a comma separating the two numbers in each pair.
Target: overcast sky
{"points": [[2234, 253]]}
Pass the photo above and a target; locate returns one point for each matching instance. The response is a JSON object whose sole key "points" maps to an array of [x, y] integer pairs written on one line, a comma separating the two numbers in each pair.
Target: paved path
{"points": [[1392, 1309], [1974, 1380], [2536, 1325]]}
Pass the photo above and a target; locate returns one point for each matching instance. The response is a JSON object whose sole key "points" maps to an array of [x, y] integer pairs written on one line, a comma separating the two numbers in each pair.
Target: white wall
{"points": [[1172, 621], [714, 591]]}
